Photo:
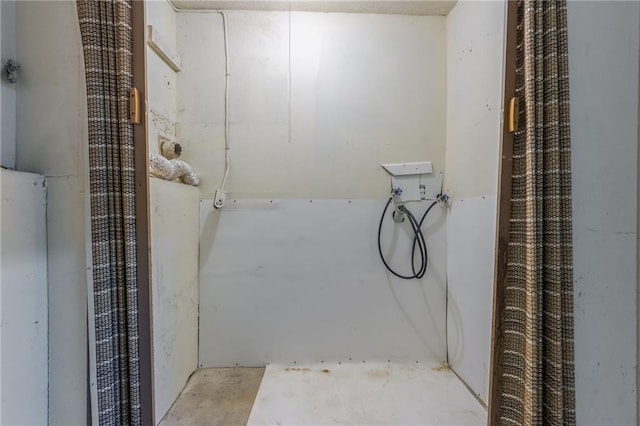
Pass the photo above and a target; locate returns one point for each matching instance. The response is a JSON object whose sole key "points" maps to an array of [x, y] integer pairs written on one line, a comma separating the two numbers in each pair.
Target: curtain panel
{"points": [[105, 27], [538, 356]]}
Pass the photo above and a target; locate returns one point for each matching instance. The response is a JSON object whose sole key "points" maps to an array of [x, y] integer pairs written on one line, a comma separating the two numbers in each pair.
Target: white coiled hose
{"points": [[164, 168]]}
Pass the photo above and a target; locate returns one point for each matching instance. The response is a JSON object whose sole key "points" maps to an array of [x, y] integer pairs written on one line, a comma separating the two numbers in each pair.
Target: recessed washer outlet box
{"points": [[406, 180]]}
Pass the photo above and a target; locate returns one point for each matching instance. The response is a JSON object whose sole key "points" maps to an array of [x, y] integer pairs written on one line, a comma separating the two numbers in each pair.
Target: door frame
{"points": [[503, 216], [143, 234]]}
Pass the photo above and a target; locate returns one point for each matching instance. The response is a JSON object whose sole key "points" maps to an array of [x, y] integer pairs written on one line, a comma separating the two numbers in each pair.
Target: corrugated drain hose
{"points": [[172, 169], [418, 240]]}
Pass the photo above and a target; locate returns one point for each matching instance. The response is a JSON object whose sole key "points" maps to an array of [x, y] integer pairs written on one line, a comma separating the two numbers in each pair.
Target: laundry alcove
{"points": [[319, 95], [285, 280]]}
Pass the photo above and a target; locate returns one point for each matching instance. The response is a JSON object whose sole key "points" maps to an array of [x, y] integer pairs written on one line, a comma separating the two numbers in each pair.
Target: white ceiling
{"points": [[395, 7]]}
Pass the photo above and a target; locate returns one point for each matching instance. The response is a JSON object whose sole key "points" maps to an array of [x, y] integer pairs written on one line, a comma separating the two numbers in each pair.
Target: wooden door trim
{"points": [[143, 235], [503, 216]]}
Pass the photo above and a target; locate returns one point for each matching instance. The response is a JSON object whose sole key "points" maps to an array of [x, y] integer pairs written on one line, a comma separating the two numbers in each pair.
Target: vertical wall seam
{"points": [[46, 244], [289, 121], [638, 246]]}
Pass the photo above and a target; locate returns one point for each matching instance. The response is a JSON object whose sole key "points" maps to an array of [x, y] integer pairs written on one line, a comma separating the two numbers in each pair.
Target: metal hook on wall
{"points": [[10, 71]]}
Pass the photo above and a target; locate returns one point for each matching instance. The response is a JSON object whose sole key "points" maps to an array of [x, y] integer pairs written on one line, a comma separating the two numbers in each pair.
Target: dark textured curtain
{"points": [[538, 361], [105, 26]]}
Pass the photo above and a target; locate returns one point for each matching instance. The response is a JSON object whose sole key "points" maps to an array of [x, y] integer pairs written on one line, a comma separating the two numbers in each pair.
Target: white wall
{"points": [[174, 261], [354, 102], [293, 280], [1, 108], [51, 140], [311, 121], [8, 90], [161, 79], [603, 61], [23, 312], [174, 232], [475, 34]]}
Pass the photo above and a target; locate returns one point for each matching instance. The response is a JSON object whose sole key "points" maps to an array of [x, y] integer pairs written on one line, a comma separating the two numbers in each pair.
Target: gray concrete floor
{"points": [[216, 396]]}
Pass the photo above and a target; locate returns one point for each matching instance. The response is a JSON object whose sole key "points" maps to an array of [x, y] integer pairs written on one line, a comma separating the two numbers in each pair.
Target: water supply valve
{"points": [[398, 213]]}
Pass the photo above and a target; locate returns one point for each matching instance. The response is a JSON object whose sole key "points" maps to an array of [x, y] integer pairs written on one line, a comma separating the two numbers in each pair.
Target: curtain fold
{"points": [[538, 360], [105, 27]]}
